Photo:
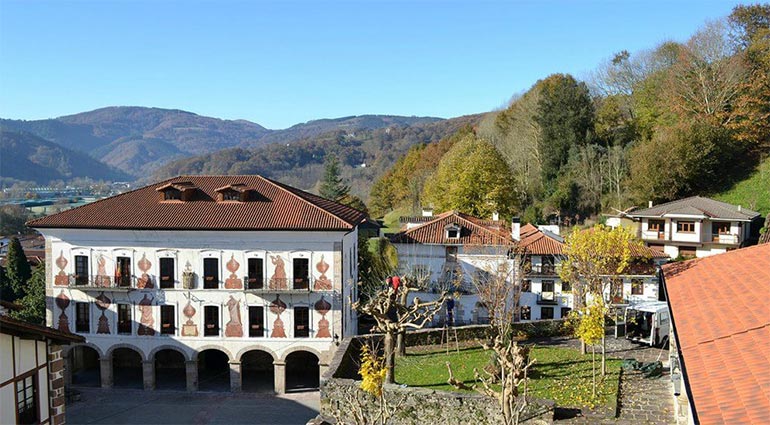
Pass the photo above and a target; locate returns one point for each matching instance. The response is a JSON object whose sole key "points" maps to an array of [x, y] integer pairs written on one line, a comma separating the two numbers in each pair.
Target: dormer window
{"points": [[178, 191], [452, 231], [172, 195], [231, 195], [234, 192]]}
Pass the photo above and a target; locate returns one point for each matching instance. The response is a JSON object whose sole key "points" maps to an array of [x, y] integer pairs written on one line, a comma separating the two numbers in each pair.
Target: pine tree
{"points": [[17, 271], [332, 186]]}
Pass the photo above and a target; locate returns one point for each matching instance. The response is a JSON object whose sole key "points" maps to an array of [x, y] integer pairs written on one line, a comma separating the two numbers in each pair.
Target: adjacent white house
{"points": [[696, 226], [31, 371], [452, 250], [545, 296], [203, 282], [449, 252]]}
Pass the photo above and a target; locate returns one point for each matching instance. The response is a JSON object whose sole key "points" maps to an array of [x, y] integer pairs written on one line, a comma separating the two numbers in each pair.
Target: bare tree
{"points": [[393, 315], [500, 289]]}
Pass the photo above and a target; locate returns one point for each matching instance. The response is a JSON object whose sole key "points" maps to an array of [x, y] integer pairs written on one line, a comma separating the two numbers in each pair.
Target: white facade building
{"points": [[203, 282], [545, 296], [449, 251], [696, 226]]}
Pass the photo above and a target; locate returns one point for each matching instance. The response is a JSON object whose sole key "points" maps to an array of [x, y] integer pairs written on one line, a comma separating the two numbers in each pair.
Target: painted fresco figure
{"points": [[278, 281], [146, 321], [234, 328]]}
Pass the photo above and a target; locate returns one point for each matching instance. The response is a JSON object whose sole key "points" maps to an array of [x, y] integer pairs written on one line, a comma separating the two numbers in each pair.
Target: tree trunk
{"points": [[593, 368], [604, 356], [390, 360], [400, 340], [401, 344]]}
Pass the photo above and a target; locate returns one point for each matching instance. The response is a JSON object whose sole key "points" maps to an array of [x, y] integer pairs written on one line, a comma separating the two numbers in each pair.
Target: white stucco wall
{"points": [[338, 250]]}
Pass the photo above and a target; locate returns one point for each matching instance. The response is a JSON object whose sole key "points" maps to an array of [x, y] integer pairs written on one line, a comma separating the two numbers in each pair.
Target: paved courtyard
{"points": [[641, 400], [126, 406]]}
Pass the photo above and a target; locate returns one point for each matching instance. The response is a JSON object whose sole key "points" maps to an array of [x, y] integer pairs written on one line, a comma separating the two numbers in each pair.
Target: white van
{"points": [[648, 322]]}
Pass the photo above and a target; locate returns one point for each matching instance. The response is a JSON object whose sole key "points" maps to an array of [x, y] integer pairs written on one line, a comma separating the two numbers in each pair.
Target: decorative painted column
{"points": [[105, 371], [235, 377], [148, 374], [191, 371], [279, 371]]}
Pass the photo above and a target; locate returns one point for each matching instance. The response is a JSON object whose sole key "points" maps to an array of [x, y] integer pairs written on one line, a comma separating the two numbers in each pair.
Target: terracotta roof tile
{"points": [[473, 231], [274, 206], [722, 321]]}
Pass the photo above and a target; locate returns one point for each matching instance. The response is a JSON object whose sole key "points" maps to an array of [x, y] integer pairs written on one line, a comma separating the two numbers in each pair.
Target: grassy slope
{"points": [[559, 374], [753, 193]]}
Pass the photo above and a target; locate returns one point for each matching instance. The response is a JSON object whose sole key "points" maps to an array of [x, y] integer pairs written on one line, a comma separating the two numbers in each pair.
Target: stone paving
{"points": [[127, 406], [641, 400]]}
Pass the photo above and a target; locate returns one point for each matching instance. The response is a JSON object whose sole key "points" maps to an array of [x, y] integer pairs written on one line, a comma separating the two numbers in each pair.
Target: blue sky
{"points": [[280, 63]]}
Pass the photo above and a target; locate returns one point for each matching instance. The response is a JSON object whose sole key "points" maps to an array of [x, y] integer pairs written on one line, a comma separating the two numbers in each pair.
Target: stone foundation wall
{"points": [[341, 397], [341, 394]]}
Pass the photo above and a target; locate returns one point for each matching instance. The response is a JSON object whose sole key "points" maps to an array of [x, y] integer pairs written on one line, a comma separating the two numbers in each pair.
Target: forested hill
{"points": [[138, 140], [364, 153], [676, 120], [29, 158]]}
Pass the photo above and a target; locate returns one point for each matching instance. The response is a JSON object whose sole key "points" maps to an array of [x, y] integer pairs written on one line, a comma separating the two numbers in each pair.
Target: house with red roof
{"points": [[720, 352], [203, 282], [545, 296], [450, 250]]}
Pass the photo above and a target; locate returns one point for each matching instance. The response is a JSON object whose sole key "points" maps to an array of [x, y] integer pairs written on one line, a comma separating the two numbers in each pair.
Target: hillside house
{"points": [[696, 226], [203, 282]]}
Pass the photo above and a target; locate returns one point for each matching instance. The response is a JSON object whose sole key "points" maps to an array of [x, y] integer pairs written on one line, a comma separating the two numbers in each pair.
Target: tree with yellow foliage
{"points": [[594, 258]]}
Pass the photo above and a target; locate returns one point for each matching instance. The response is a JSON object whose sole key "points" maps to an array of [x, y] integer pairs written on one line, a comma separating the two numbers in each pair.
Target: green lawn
{"points": [[753, 192], [559, 374]]}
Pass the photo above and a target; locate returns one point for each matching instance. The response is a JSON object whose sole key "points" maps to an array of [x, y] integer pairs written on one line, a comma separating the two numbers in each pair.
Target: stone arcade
{"points": [[203, 283]]}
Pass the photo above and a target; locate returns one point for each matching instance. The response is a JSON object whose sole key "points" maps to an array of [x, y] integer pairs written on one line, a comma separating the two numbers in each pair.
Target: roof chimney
{"points": [[649, 204], [740, 208], [495, 216], [516, 228], [427, 212]]}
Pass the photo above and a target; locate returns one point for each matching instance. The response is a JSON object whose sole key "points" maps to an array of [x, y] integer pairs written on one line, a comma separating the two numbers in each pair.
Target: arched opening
{"points": [[301, 371], [126, 368], [213, 371], [84, 366], [170, 370], [257, 372]]}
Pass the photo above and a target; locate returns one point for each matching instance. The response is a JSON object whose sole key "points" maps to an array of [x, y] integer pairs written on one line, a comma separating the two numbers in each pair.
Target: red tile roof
{"points": [[473, 231], [721, 316], [536, 242], [273, 206]]}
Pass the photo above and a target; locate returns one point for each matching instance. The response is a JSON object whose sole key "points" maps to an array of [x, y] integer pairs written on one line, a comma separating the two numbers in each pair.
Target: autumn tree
{"points": [[473, 178], [594, 258]]}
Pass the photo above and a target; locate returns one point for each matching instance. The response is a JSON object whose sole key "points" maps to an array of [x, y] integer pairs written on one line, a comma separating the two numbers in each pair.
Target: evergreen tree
{"points": [[17, 270], [33, 302], [332, 186]]}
